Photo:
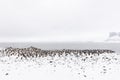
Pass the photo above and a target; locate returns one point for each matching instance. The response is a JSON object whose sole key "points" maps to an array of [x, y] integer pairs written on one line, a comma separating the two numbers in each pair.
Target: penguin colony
{"points": [[33, 52]]}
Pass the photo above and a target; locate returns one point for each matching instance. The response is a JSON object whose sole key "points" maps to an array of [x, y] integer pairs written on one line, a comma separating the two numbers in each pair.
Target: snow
{"points": [[92, 67]]}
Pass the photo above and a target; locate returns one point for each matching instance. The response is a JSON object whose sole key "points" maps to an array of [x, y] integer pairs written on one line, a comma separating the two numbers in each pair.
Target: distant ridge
{"points": [[114, 37]]}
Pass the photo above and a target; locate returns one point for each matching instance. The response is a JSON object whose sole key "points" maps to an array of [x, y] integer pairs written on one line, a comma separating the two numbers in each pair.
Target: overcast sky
{"points": [[58, 20]]}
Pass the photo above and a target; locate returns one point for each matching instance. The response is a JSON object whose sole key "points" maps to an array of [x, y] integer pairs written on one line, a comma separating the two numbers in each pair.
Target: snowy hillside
{"points": [[105, 66]]}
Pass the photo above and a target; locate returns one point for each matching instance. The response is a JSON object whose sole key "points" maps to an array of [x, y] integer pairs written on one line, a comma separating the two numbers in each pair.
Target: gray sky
{"points": [[58, 20]]}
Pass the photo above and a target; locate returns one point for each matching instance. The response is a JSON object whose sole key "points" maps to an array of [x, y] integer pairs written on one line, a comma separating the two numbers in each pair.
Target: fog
{"points": [[58, 20]]}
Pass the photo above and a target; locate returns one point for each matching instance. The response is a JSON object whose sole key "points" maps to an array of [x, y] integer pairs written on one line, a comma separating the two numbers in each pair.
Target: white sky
{"points": [[58, 20]]}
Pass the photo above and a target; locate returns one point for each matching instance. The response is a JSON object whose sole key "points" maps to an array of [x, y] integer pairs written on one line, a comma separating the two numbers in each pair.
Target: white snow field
{"points": [[93, 67]]}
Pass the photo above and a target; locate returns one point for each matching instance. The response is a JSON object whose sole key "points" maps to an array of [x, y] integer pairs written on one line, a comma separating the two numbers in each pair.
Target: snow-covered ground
{"points": [[92, 67]]}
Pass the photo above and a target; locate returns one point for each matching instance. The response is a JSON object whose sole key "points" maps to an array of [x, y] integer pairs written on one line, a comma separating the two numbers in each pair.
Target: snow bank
{"points": [[87, 67]]}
